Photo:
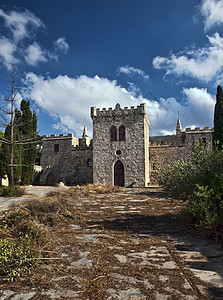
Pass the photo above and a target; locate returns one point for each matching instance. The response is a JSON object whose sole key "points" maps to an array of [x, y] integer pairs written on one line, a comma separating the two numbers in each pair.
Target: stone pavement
{"points": [[133, 246]]}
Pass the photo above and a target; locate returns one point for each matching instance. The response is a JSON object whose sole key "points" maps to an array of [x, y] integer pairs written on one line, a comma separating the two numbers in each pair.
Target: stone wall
{"points": [[81, 161], [161, 155], [83, 165], [133, 152], [175, 147], [64, 160]]}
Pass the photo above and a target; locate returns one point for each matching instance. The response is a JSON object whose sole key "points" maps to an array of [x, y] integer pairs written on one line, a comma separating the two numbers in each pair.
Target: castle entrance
{"points": [[119, 173]]}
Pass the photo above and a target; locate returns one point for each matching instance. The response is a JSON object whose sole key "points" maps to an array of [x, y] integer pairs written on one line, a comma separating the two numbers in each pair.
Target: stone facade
{"points": [[167, 149], [66, 159], [121, 152], [132, 151]]}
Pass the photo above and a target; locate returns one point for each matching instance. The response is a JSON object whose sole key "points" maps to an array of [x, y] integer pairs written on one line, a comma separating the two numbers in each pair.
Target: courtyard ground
{"points": [[124, 244]]}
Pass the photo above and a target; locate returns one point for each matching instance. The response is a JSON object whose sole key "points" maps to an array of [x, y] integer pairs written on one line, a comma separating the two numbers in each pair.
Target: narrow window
{"points": [[204, 141], [113, 132], [121, 133], [56, 148], [89, 163]]}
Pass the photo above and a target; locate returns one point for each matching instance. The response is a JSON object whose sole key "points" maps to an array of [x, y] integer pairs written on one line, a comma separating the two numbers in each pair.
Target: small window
{"points": [[118, 152], [204, 141], [121, 133], [89, 163], [113, 133], [56, 148]]}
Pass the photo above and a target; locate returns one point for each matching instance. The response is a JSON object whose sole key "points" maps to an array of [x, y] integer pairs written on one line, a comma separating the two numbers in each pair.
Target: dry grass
{"points": [[95, 214], [96, 189]]}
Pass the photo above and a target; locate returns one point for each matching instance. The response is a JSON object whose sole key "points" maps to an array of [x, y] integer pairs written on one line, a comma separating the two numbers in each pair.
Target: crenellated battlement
{"points": [[60, 136], [117, 111], [198, 129]]}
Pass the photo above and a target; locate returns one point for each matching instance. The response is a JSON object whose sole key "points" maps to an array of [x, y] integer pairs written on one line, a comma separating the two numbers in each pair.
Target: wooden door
{"points": [[119, 173]]}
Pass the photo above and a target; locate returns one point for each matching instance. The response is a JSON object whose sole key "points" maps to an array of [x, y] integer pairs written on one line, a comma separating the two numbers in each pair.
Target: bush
{"points": [[199, 180], [11, 191], [206, 209], [21, 239], [16, 258]]}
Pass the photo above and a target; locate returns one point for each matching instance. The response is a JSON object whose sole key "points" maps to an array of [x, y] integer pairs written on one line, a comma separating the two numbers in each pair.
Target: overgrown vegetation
{"points": [[18, 244], [200, 181], [11, 191], [26, 235]]}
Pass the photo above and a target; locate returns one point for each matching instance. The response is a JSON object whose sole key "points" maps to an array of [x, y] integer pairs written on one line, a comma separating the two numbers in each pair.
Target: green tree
{"points": [[17, 151], [218, 119], [20, 138], [28, 131]]}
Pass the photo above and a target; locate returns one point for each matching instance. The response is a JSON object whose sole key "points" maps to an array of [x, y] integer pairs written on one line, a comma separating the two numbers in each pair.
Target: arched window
{"points": [[121, 133], [113, 133]]}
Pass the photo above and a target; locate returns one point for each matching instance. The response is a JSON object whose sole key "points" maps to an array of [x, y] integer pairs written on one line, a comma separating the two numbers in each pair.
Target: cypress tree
{"points": [[28, 130], [5, 151], [218, 119]]}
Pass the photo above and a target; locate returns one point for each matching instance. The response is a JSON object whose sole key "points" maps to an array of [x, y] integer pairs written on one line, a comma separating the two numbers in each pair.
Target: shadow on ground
{"points": [[202, 255]]}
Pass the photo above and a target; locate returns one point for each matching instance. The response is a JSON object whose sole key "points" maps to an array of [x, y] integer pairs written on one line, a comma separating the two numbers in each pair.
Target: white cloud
{"points": [[204, 63], [212, 10], [199, 111], [61, 45], [21, 24], [131, 71], [68, 101], [34, 54], [7, 50]]}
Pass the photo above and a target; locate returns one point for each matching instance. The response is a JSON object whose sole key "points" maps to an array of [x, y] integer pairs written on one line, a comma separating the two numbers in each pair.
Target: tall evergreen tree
{"points": [[17, 151], [28, 129], [20, 139], [218, 119]]}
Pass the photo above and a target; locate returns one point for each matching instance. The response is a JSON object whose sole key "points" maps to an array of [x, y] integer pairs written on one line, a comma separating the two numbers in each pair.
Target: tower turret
{"points": [[85, 133], [179, 126]]}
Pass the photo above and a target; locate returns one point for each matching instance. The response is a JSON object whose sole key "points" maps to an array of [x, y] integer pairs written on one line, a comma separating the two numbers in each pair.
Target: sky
{"points": [[74, 54]]}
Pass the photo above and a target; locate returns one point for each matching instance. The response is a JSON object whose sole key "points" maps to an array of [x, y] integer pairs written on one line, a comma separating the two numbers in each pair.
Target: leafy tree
{"points": [[218, 119]]}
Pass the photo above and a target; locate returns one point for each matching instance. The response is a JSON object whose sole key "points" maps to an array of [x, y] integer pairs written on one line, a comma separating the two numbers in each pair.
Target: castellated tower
{"points": [[121, 145]]}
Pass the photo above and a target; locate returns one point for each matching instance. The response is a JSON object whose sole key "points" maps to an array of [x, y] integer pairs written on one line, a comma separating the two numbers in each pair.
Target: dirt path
{"points": [[31, 192], [127, 245]]}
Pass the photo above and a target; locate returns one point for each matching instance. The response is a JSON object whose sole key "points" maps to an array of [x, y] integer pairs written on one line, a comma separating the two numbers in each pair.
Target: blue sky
{"points": [[75, 54]]}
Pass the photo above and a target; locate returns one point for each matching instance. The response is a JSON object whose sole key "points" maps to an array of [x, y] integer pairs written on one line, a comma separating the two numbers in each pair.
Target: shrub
{"points": [[205, 209], [16, 258], [11, 191], [199, 180]]}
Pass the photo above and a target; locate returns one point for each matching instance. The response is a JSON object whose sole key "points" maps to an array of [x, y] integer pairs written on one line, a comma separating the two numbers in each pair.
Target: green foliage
{"points": [[199, 180], [206, 208], [218, 119], [11, 191], [17, 258], [20, 242], [28, 130], [25, 152]]}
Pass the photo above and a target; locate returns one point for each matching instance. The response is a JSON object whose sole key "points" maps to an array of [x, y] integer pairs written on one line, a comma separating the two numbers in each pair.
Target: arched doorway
{"points": [[119, 173]]}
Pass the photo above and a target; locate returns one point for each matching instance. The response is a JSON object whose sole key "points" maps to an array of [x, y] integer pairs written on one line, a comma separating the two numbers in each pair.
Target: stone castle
{"points": [[120, 153]]}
